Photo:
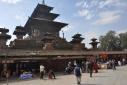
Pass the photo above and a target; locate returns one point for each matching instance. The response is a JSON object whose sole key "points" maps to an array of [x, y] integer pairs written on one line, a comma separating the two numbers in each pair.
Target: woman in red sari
{"points": [[95, 67]]}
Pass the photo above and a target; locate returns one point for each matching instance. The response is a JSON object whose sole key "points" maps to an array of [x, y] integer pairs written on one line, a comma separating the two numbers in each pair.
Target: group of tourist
{"points": [[90, 67], [85, 66], [77, 68], [112, 63]]}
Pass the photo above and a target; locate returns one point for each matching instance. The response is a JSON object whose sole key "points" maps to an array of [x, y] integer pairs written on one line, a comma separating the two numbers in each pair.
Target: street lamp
{"points": [[63, 34]]}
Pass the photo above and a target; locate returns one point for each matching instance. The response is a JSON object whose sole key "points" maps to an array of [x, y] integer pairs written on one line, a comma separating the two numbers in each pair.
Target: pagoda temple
{"points": [[39, 42], [40, 23]]}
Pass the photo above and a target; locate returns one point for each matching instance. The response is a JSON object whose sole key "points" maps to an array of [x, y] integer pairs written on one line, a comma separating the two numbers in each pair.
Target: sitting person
{"points": [[51, 74], [69, 70]]}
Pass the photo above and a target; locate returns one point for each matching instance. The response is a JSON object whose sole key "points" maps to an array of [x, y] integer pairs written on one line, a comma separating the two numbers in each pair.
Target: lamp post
{"points": [[63, 34]]}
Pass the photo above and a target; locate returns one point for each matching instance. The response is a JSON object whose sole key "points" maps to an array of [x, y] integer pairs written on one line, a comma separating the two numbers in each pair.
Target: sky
{"points": [[91, 18]]}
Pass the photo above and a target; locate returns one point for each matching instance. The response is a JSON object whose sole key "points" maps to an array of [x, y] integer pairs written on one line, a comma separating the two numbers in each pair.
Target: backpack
{"points": [[77, 71]]}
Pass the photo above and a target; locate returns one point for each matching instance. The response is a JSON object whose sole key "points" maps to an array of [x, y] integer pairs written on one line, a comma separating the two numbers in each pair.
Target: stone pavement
{"points": [[104, 77]]}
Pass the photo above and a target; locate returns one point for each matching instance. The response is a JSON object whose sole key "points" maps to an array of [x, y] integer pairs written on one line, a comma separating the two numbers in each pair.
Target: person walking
{"points": [[95, 67], [113, 65], [78, 74], [123, 61], [87, 69], [42, 71], [90, 66]]}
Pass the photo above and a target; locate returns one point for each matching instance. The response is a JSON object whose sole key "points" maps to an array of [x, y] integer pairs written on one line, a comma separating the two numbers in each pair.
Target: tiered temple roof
{"points": [[3, 34], [41, 20], [77, 38], [3, 38], [19, 31], [94, 43], [40, 23], [42, 11], [44, 25]]}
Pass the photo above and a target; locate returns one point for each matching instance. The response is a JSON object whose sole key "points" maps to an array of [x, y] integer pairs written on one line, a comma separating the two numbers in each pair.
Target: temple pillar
{"points": [[17, 69]]}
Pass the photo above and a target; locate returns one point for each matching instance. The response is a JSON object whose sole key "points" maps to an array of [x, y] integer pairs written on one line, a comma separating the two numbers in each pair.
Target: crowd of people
{"points": [[88, 66], [92, 66], [85, 66]]}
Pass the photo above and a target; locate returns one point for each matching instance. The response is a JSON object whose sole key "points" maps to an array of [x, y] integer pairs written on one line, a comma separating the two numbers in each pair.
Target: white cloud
{"points": [[86, 8], [91, 8], [82, 4], [10, 1], [107, 17], [85, 13], [1, 26], [122, 31], [21, 18], [91, 34], [112, 3], [78, 4], [18, 17], [115, 3]]}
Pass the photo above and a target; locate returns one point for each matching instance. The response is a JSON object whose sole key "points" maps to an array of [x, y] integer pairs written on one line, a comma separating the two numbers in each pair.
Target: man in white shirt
{"points": [[42, 71]]}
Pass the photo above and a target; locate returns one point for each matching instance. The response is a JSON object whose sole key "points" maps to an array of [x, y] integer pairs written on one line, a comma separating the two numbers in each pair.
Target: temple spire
{"points": [[43, 2]]}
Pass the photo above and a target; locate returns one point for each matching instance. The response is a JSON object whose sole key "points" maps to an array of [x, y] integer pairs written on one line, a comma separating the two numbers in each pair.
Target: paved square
{"points": [[104, 77]]}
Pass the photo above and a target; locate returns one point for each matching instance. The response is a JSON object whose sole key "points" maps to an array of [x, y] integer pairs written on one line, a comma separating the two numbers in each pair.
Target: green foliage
{"points": [[110, 42], [123, 39]]}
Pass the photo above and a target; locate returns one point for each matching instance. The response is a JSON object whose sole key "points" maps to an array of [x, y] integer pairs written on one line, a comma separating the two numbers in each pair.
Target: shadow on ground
{"points": [[101, 76], [90, 84], [20, 80]]}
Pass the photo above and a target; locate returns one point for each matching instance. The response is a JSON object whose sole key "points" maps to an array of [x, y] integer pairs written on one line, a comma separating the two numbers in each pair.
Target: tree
{"points": [[110, 42], [123, 39]]}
